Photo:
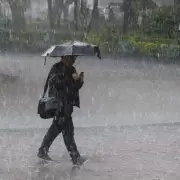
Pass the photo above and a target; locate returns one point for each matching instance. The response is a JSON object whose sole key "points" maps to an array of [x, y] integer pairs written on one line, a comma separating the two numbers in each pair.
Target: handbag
{"points": [[47, 107]]}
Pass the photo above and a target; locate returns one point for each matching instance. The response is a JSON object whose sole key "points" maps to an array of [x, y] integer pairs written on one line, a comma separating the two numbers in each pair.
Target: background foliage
{"points": [[141, 28]]}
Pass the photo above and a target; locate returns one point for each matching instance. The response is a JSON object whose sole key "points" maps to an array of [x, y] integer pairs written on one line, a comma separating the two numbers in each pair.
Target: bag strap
{"points": [[44, 95]]}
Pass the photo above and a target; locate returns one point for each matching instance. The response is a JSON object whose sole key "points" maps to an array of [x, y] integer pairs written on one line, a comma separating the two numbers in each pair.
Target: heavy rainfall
{"points": [[128, 121]]}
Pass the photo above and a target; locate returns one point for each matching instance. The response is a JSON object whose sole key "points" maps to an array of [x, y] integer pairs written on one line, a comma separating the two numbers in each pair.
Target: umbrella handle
{"points": [[45, 61]]}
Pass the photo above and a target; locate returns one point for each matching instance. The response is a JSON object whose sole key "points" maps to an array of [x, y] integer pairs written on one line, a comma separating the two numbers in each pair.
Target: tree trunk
{"points": [[94, 17], [127, 14], [57, 11], [50, 14], [83, 12], [1, 11], [18, 19], [66, 5], [76, 14], [65, 12]]}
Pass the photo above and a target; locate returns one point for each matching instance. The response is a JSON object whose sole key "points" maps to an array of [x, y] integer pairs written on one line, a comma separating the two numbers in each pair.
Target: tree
{"points": [[162, 22], [129, 13], [142, 7], [94, 21], [55, 10], [76, 14], [133, 9], [18, 7], [84, 14], [50, 14]]}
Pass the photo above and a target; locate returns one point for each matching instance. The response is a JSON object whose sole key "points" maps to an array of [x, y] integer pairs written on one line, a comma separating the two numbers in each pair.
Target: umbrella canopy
{"points": [[75, 48]]}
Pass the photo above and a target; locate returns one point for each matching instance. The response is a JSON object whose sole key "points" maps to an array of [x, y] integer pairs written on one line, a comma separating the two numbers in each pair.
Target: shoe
{"points": [[79, 161], [44, 155]]}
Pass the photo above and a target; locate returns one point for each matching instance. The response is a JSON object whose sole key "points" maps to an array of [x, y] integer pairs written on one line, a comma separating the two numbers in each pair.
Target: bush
{"points": [[131, 45], [146, 48], [110, 41]]}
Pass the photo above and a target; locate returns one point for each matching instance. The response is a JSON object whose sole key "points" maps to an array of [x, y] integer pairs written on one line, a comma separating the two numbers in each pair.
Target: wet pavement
{"points": [[149, 152]]}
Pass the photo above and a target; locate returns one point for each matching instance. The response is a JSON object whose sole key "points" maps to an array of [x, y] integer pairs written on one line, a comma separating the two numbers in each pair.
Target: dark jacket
{"points": [[62, 85]]}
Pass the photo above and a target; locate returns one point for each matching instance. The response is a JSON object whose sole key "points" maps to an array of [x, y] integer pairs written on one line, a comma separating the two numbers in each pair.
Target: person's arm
{"points": [[79, 80]]}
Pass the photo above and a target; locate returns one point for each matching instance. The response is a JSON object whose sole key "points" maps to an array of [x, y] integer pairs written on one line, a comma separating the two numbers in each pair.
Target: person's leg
{"points": [[54, 130], [68, 136]]}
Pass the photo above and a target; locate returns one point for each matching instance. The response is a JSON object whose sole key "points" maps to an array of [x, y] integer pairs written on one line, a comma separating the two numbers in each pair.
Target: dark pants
{"points": [[62, 123]]}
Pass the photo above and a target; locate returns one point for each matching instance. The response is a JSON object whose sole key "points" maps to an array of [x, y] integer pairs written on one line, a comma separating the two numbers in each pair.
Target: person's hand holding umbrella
{"points": [[81, 76], [75, 76], [78, 77]]}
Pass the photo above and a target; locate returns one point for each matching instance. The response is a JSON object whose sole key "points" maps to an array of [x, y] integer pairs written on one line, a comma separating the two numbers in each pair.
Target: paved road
{"points": [[150, 152]]}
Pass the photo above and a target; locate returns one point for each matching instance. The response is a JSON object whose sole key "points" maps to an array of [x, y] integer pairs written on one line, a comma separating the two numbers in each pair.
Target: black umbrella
{"points": [[75, 48]]}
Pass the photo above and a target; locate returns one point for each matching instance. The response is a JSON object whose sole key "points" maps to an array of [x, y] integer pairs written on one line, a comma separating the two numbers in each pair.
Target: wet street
{"points": [[128, 123], [113, 153]]}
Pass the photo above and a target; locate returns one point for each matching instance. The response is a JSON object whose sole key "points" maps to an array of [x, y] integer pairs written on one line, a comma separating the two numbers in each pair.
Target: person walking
{"points": [[64, 84]]}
